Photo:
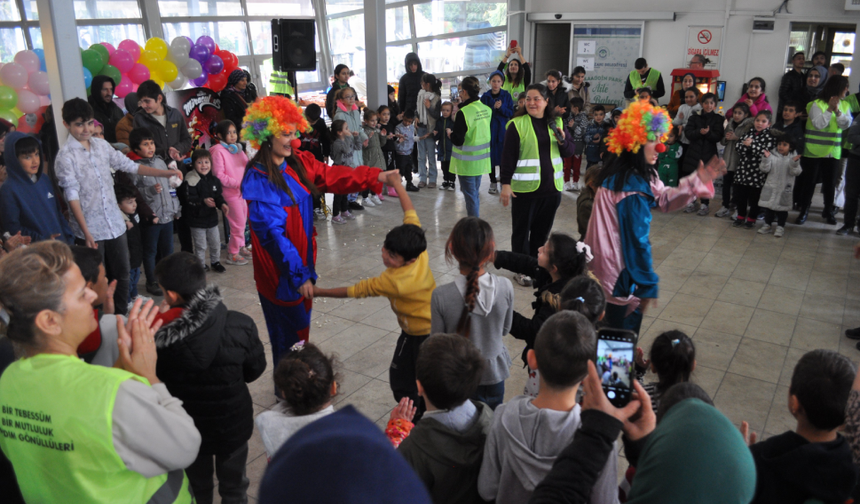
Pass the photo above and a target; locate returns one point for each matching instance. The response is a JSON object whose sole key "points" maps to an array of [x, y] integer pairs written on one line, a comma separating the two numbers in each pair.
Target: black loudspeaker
{"points": [[293, 47]]}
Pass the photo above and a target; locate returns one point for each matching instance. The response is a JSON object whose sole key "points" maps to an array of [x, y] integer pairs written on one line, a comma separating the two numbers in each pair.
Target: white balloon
{"points": [[192, 69], [181, 44], [178, 83], [178, 57]]}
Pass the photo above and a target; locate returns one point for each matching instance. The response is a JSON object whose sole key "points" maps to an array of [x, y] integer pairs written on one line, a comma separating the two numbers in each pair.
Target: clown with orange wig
{"points": [[621, 219], [279, 186]]}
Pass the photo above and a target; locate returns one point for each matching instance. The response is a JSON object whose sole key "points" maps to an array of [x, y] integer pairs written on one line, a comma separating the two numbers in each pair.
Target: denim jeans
{"points": [[493, 395], [133, 279], [470, 185], [426, 157], [157, 240]]}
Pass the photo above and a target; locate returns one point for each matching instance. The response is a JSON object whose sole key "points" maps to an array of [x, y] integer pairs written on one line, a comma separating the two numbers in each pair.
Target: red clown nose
{"points": [[296, 143], [660, 148]]}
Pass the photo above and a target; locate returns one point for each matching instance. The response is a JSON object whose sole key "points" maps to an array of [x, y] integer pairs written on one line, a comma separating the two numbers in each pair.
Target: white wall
{"points": [[744, 55]]}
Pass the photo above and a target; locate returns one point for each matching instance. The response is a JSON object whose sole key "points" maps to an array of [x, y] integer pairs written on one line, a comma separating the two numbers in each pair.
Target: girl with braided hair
{"points": [[477, 304]]}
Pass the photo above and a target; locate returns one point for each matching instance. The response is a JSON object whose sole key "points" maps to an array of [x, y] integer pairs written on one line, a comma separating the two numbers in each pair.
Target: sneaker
{"points": [[153, 289], [568, 186], [355, 205], [749, 224], [337, 219], [734, 214], [523, 280], [411, 187], [391, 192], [431, 185], [235, 260], [375, 199], [738, 222], [380, 197], [422, 185], [443, 186], [722, 212], [348, 215], [844, 230], [318, 214], [577, 186], [766, 229], [246, 252], [368, 202], [780, 231], [703, 211], [205, 268], [452, 186], [690, 208], [494, 188], [217, 267], [853, 333]]}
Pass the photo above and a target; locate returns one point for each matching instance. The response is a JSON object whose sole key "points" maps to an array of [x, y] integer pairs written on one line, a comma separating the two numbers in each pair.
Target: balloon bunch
{"points": [[202, 63], [24, 86]]}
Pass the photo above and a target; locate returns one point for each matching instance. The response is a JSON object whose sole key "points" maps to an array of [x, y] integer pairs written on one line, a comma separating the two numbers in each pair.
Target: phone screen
{"points": [[615, 364]]}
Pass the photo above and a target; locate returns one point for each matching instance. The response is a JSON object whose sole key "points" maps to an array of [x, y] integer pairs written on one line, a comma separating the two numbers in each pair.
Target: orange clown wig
{"points": [[639, 124], [269, 117]]}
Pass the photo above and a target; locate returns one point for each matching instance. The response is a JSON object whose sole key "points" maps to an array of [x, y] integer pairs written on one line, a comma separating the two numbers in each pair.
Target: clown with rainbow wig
{"points": [[621, 219], [279, 186]]}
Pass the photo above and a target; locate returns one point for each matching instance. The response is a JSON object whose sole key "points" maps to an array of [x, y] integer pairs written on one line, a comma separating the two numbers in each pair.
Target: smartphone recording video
{"points": [[615, 366]]}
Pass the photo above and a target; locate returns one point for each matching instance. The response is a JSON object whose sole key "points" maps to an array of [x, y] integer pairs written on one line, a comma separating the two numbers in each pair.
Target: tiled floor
{"points": [[753, 304]]}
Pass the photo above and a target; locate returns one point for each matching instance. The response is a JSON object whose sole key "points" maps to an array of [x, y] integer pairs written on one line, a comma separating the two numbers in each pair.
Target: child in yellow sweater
{"points": [[408, 284]]}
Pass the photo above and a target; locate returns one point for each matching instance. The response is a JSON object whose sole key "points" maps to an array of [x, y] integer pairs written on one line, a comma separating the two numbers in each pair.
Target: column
{"points": [[377, 62]]}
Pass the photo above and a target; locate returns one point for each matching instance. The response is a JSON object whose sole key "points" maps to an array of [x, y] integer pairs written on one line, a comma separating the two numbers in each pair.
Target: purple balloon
{"points": [[199, 81], [214, 64], [200, 52], [206, 41]]}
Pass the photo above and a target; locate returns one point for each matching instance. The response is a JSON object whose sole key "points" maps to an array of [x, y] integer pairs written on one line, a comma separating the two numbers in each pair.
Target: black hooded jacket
{"points": [[205, 358], [109, 114], [410, 84]]}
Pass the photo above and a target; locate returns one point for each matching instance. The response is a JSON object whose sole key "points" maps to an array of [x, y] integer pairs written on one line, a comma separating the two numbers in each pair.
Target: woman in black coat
{"points": [[233, 98], [105, 110]]}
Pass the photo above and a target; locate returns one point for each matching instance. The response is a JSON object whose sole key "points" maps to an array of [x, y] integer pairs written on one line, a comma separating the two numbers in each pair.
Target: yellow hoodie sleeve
{"points": [[382, 285]]}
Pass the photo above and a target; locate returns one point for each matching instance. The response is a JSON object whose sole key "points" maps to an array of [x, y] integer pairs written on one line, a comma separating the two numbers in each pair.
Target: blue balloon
{"points": [[41, 54], [88, 77]]}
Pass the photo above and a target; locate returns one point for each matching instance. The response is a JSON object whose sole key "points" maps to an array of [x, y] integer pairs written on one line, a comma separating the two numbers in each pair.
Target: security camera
{"points": [[558, 16]]}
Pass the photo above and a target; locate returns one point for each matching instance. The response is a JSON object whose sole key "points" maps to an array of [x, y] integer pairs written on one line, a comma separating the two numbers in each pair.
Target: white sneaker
{"points": [[722, 212], [766, 229], [703, 211], [494, 188], [318, 214], [568, 186], [523, 280], [780, 231], [368, 202], [577, 186], [375, 199], [690, 208]]}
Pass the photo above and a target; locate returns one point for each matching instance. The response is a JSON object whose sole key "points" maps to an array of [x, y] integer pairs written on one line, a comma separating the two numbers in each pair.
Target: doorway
{"points": [[551, 50], [834, 40]]}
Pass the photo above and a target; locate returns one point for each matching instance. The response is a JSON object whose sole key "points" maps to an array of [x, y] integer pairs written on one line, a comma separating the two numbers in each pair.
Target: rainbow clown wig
{"points": [[640, 123], [269, 117]]}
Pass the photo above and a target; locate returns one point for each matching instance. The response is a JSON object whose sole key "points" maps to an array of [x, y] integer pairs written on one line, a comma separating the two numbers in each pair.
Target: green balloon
{"points": [[112, 72], [102, 50], [8, 98], [93, 61], [9, 116]]}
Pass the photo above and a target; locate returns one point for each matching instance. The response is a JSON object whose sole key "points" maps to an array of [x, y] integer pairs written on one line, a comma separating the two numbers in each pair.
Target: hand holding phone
{"points": [[615, 364]]}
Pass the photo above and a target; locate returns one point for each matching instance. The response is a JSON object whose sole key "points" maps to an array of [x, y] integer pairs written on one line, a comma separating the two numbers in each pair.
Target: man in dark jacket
{"points": [[792, 87], [206, 355], [105, 110], [168, 128], [410, 84]]}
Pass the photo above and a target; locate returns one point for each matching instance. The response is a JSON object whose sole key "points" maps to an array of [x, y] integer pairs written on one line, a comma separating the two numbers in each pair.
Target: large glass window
{"points": [[397, 25], [18, 28], [9, 11], [113, 34], [106, 9], [184, 8], [338, 6], [280, 8], [462, 53], [11, 41], [229, 35], [441, 17], [347, 42]]}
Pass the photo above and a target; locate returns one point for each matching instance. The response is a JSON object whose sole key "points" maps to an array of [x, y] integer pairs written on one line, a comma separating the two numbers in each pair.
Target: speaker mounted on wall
{"points": [[293, 45]]}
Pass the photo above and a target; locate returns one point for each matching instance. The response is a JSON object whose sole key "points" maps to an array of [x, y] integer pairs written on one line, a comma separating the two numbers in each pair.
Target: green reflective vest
{"points": [[56, 429], [515, 91], [650, 81], [854, 107], [473, 157], [526, 177], [827, 142], [279, 83]]}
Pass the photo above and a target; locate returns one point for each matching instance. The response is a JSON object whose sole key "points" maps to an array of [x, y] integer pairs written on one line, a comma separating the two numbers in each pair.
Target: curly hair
{"points": [[639, 124], [269, 117]]}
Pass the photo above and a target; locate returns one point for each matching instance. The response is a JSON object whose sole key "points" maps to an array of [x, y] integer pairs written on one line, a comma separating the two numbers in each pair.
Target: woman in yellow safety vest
{"points": [[470, 138], [531, 171], [518, 73], [76, 432], [828, 116]]}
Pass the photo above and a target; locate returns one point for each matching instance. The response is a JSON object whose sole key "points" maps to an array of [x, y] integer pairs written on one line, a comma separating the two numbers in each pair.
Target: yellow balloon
{"points": [[17, 112], [166, 70], [158, 81], [158, 46], [149, 59]]}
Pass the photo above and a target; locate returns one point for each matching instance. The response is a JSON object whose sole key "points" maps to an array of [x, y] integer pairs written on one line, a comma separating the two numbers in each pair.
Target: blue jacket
{"points": [[593, 150], [499, 121], [444, 147], [30, 207]]}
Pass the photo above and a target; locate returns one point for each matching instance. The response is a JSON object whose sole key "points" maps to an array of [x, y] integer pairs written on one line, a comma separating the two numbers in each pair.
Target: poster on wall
{"points": [[201, 109], [615, 49], [704, 40]]}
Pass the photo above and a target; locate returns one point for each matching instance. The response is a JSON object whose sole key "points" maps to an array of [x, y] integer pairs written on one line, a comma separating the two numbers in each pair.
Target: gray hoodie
{"points": [[491, 320], [521, 448]]}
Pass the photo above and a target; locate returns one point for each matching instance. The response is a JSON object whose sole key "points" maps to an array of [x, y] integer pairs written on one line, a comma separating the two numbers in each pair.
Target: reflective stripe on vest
{"points": [[650, 81], [526, 177], [57, 413], [279, 83], [827, 142], [473, 157]]}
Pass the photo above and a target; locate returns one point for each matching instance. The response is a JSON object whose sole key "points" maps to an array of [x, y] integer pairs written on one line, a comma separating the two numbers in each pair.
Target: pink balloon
{"points": [[28, 102], [131, 47], [110, 49], [39, 84], [14, 75], [122, 60], [28, 60], [138, 73], [44, 101], [124, 87]]}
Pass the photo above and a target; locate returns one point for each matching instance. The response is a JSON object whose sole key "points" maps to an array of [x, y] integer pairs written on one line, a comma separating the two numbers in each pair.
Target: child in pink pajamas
{"points": [[228, 163]]}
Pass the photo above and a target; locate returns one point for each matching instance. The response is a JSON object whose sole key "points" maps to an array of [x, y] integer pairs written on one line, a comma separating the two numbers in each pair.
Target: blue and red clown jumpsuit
{"points": [[284, 240]]}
